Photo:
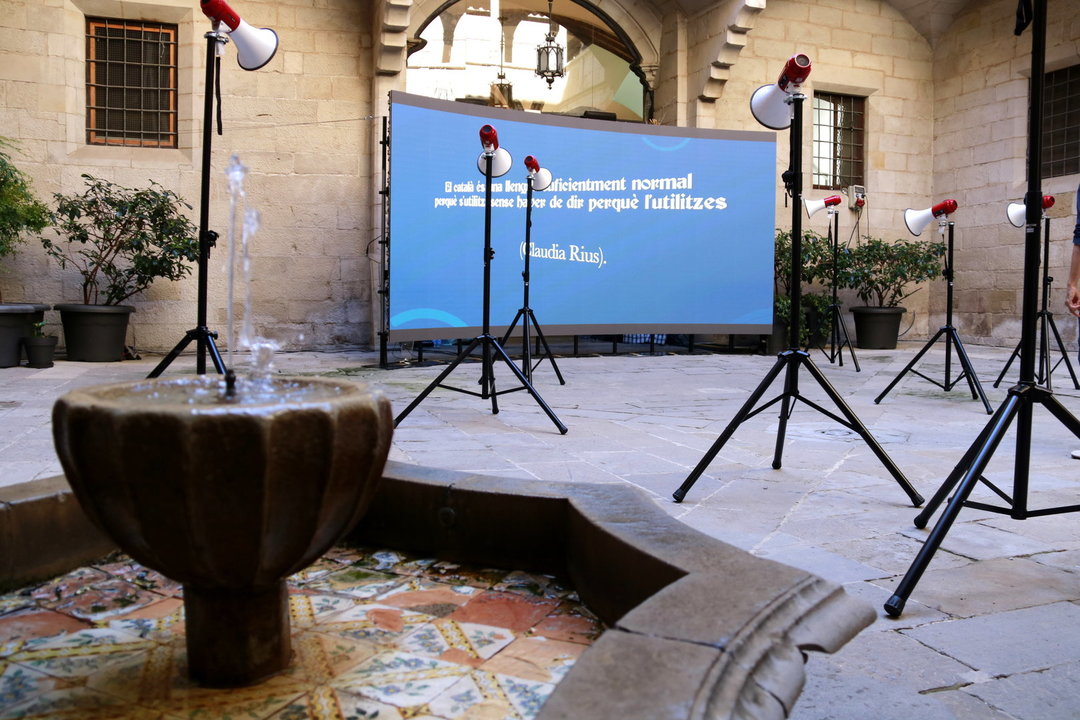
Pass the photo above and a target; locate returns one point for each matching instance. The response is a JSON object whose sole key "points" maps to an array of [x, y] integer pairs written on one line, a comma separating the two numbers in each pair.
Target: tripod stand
{"points": [[1022, 398], [951, 338], [489, 345], [792, 360], [201, 334], [838, 335], [525, 313], [1046, 326]]}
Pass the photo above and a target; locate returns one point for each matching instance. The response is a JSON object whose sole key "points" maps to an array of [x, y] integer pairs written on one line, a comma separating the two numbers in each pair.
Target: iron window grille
{"points": [[131, 83], [1061, 123], [839, 140]]}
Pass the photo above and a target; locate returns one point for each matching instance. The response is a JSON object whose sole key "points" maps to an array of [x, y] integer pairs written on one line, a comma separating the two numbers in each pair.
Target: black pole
{"points": [[795, 168], [526, 356]]}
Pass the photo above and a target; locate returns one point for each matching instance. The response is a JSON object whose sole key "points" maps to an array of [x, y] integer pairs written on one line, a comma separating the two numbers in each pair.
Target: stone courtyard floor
{"points": [[991, 631]]}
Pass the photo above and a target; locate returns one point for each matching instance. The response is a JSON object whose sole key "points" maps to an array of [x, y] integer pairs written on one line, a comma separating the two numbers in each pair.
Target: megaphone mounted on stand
{"points": [[917, 220], [815, 206], [1017, 212], [769, 103], [500, 158], [254, 46]]}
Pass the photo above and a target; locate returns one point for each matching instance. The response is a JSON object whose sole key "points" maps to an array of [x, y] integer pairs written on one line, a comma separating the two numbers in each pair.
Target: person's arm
{"points": [[1072, 296]]}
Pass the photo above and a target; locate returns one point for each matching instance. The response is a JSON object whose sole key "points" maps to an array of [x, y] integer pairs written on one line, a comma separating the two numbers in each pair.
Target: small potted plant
{"points": [[815, 322], [39, 347], [120, 240], [21, 213], [882, 274]]}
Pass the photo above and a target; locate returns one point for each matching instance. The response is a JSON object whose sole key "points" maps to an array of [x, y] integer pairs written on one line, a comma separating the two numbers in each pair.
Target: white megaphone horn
{"points": [[254, 46], [769, 103], [917, 220], [814, 206], [539, 177], [1017, 212]]}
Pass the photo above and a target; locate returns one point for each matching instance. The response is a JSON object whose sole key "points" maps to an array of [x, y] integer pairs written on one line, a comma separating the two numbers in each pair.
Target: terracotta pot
{"points": [[228, 497]]}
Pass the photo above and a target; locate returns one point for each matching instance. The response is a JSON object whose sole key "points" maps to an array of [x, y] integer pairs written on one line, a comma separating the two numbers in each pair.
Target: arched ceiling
{"points": [[931, 18]]}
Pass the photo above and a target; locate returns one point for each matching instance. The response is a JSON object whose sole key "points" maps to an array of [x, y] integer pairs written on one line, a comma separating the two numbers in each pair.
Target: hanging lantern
{"points": [[549, 56]]}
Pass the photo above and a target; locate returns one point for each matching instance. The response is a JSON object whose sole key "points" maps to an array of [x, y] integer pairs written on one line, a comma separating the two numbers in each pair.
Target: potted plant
{"points": [[120, 240], [882, 274], [39, 347], [815, 322], [20, 213]]}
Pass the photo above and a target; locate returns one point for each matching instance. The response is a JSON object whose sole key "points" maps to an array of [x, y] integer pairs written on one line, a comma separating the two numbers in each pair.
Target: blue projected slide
{"points": [[644, 228]]}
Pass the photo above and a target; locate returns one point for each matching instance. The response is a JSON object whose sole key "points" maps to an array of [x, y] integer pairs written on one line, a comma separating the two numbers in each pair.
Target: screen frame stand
{"points": [[201, 334], [489, 345], [1022, 398], [838, 335], [1046, 326], [793, 359], [952, 337], [525, 314]]}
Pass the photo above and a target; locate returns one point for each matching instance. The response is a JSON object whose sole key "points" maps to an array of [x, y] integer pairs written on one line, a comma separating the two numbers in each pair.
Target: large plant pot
{"points": [[877, 328], [228, 496], [40, 351], [95, 333], [17, 322]]}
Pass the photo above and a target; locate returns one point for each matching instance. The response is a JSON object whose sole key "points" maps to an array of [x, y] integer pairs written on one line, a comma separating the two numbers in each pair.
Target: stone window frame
{"points": [[849, 166], [145, 92], [1061, 122]]}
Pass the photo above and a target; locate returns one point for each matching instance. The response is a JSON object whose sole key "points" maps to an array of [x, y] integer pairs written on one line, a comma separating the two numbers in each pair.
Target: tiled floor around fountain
{"points": [[376, 634]]}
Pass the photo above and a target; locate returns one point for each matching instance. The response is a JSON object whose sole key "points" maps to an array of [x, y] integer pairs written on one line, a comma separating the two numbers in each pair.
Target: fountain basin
{"points": [[228, 496]]}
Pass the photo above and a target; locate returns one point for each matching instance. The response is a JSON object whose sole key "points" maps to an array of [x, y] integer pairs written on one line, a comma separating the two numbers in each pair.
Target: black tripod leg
{"points": [[1008, 364], [173, 354], [211, 346], [857, 426], [980, 456], [1064, 353], [969, 371], [510, 330], [906, 370], [436, 382], [743, 414], [487, 381], [791, 390], [528, 386], [847, 341], [547, 348]]}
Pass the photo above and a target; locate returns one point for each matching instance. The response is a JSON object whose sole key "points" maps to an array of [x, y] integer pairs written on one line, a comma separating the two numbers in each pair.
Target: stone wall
{"points": [[981, 72], [302, 124]]}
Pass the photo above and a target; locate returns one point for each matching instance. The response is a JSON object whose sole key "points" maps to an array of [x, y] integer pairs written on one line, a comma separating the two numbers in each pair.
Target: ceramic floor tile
{"points": [[401, 679], [536, 659], [326, 703], [355, 581], [454, 574], [507, 610], [490, 695], [433, 598], [33, 622], [308, 608], [532, 584], [395, 561], [466, 643], [381, 624], [130, 571], [570, 622]]}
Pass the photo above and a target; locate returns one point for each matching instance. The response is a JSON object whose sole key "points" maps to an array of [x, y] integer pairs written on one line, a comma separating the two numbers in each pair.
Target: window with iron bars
{"points": [[1061, 122], [131, 83], [839, 140]]}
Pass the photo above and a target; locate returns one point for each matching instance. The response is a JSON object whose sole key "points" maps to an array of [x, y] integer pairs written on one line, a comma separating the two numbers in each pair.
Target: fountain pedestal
{"points": [[227, 496]]}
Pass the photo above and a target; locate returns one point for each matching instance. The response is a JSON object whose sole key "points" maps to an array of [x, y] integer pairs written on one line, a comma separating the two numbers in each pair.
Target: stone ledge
{"points": [[698, 629]]}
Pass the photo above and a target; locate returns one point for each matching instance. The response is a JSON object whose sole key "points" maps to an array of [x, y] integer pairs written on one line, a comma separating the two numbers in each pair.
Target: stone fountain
{"points": [[228, 494]]}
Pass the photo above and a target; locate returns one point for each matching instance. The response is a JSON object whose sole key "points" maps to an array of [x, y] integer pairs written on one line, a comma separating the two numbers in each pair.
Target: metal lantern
{"points": [[549, 56]]}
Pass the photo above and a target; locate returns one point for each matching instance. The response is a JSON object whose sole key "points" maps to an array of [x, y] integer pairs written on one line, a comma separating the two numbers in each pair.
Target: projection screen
{"points": [[644, 228]]}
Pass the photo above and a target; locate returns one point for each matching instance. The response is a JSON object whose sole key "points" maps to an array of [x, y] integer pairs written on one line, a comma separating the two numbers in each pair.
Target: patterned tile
{"points": [[465, 643], [532, 584], [380, 624], [326, 703], [355, 581], [570, 622], [27, 623], [401, 679], [130, 571], [490, 695], [433, 598], [508, 610], [454, 574], [536, 658]]}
